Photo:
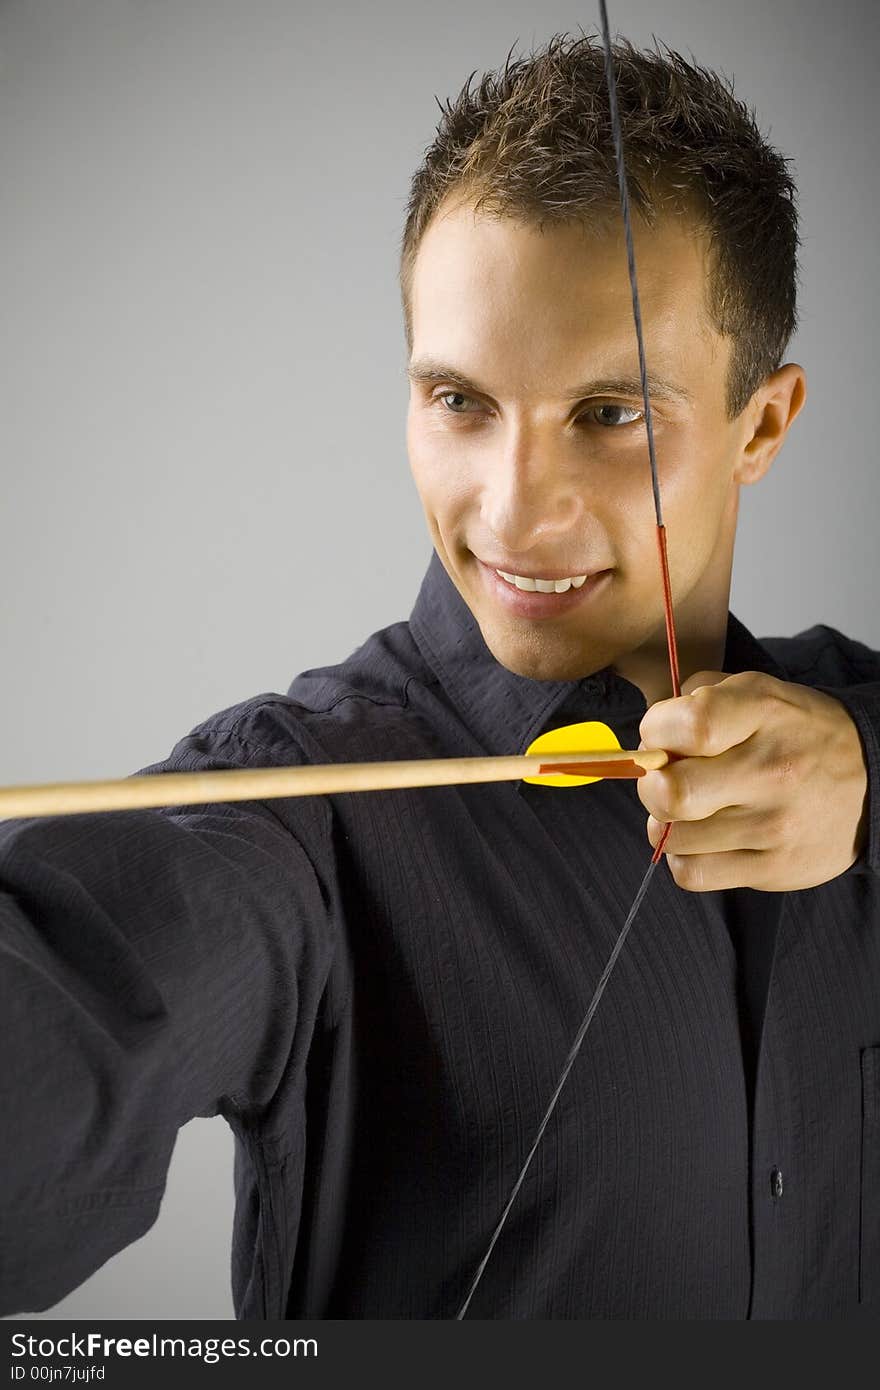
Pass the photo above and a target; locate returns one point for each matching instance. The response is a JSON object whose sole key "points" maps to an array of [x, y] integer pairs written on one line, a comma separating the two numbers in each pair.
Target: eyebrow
{"points": [[431, 369]]}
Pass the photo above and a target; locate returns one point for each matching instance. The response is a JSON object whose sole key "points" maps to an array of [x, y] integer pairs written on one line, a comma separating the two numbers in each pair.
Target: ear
{"points": [[770, 412]]}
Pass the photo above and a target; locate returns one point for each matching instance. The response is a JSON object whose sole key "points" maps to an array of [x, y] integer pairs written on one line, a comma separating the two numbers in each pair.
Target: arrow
{"points": [[569, 763]]}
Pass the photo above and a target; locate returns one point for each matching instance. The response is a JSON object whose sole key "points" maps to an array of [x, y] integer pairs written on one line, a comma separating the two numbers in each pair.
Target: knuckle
{"points": [[647, 791], [679, 797], [757, 683], [762, 690], [685, 870], [653, 792], [699, 718], [752, 680], [765, 690]]}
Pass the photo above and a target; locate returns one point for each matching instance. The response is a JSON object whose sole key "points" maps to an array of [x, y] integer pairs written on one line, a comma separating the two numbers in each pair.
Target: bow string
{"points": [[617, 136]]}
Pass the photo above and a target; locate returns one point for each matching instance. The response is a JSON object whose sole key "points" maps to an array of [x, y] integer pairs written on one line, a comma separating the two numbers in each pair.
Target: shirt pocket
{"points": [[869, 1237]]}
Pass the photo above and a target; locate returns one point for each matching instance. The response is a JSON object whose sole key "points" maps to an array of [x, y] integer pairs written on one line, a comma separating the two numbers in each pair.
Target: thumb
{"points": [[702, 678]]}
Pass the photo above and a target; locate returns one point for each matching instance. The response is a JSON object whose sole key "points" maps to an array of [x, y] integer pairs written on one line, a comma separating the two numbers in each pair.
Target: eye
{"points": [[609, 414], [443, 396]]}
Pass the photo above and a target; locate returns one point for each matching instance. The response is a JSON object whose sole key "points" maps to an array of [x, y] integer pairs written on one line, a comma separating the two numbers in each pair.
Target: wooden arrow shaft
{"points": [[313, 779]]}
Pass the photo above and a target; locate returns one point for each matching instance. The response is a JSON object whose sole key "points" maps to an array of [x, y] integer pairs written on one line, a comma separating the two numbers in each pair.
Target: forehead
{"points": [[530, 298]]}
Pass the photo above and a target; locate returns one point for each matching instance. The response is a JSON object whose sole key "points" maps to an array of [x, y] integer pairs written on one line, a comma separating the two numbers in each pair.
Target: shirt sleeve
{"points": [[154, 966], [863, 704]]}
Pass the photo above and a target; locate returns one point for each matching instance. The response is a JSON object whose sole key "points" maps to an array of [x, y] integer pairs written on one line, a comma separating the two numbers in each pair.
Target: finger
{"points": [[692, 789], [712, 718], [734, 828], [709, 873]]}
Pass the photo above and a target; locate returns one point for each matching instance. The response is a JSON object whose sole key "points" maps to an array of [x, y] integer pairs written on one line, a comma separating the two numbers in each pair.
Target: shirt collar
{"points": [[506, 711]]}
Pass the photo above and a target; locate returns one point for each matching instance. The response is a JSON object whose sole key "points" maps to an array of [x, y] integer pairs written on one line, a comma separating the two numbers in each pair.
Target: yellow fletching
{"points": [[590, 737]]}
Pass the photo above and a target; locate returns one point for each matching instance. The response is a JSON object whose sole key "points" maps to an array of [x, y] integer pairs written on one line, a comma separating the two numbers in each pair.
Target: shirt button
{"points": [[776, 1184]]}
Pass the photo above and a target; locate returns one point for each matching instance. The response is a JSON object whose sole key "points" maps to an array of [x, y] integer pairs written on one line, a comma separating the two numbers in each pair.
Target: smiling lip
{"points": [[528, 604], [539, 574]]}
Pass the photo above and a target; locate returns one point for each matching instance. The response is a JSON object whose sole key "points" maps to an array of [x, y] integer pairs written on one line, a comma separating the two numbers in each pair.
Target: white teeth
{"points": [[543, 586]]}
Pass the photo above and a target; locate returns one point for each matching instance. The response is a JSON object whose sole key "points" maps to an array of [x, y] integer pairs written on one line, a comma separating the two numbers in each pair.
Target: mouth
{"points": [[544, 584], [543, 595]]}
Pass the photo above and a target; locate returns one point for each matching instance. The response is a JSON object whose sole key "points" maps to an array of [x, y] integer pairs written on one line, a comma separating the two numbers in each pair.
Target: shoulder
{"points": [[822, 655], [343, 712]]}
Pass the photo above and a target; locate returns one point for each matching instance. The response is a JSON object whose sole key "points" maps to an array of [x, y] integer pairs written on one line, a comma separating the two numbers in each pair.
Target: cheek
{"points": [[423, 462], [443, 480], [699, 502], [700, 483], [694, 487], [413, 445], [623, 509]]}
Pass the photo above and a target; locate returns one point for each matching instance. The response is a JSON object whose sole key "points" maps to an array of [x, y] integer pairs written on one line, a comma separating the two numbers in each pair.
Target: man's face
{"points": [[527, 441]]}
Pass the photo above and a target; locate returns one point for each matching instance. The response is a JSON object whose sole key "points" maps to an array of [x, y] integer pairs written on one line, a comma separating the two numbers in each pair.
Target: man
{"points": [[378, 991]]}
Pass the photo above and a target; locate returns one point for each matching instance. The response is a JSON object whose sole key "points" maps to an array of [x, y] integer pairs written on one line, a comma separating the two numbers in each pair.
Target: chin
{"points": [[540, 660]]}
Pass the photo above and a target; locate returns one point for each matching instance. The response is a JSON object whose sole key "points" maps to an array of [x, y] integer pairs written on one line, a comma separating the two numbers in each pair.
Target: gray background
{"points": [[205, 486]]}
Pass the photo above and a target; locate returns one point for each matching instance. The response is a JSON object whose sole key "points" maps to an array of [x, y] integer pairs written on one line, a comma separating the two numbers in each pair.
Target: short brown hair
{"points": [[533, 142]]}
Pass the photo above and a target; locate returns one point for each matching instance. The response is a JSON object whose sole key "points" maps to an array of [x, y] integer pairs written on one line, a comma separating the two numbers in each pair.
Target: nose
{"points": [[530, 496]]}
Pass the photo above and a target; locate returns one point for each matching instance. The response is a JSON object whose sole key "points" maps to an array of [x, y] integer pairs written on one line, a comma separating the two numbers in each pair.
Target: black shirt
{"points": [[377, 992], [751, 918]]}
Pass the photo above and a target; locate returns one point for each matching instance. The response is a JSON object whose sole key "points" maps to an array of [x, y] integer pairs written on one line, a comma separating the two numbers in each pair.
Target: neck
{"points": [[648, 666]]}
